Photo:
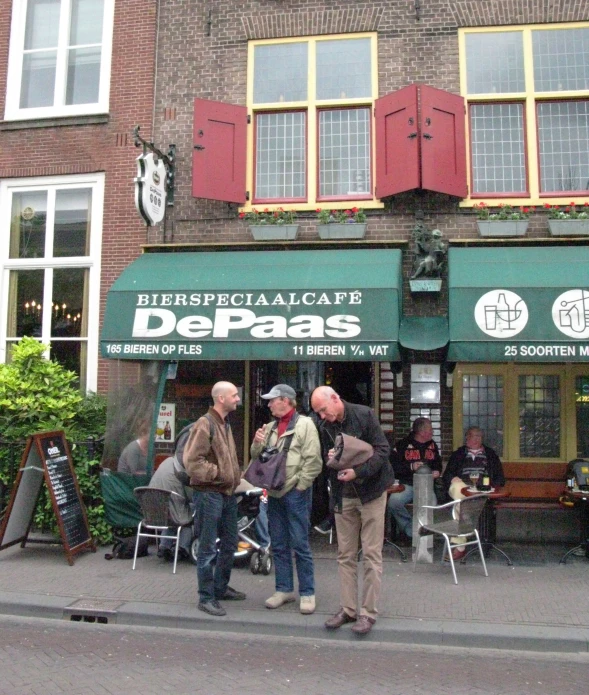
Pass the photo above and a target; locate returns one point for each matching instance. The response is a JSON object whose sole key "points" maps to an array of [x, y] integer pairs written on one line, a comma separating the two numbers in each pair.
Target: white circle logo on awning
{"points": [[501, 313], [570, 313]]}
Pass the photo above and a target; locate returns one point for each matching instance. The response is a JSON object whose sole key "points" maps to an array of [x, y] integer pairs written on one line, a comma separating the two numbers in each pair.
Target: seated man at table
{"points": [[473, 456], [409, 454]]}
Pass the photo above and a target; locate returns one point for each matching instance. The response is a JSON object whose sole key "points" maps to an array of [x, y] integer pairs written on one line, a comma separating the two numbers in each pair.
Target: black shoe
{"points": [[324, 527], [231, 595], [212, 608], [166, 554], [403, 541]]}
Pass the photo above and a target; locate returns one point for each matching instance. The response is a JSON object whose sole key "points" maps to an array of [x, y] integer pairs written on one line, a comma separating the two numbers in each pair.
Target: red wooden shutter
{"points": [[443, 147], [219, 154], [397, 142]]}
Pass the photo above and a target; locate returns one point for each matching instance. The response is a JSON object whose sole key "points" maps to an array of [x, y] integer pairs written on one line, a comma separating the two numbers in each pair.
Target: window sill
{"points": [[55, 122]]}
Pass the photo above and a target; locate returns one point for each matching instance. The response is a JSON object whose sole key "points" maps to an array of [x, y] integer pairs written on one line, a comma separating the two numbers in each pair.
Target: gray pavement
{"points": [[536, 605]]}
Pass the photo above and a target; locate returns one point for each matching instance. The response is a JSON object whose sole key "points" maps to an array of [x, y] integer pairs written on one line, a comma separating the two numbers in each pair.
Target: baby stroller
{"points": [[249, 549]]}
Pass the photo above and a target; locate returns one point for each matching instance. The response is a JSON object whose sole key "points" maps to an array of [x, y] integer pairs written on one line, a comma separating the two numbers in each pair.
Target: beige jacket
{"points": [[303, 463], [212, 463]]}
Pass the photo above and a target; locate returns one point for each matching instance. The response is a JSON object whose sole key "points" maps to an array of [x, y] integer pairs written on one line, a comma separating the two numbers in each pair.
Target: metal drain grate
{"points": [[92, 611]]}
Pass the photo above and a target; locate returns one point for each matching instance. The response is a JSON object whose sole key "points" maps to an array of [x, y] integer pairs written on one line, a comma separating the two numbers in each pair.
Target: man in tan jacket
{"points": [[211, 462], [289, 510]]}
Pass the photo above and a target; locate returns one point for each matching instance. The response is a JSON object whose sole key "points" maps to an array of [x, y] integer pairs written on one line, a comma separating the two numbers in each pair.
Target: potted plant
{"points": [[504, 220], [570, 220], [341, 224], [271, 225]]}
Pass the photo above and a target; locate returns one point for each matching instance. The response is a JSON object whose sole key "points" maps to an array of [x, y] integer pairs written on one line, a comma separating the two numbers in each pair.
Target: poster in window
{"points": [[166, 423]]}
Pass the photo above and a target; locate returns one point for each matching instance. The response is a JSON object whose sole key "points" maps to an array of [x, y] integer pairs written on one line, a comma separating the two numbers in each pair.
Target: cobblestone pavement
{"points": [[46, 657]]}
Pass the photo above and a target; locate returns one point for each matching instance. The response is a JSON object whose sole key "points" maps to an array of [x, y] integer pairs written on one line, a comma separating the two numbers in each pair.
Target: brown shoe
{"points": [[364, 625], [339, 619], [458, 554]]}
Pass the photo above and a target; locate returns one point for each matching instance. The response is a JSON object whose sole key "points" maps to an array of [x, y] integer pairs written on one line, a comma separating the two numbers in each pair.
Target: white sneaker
{"points": [[307, 605], [279, 598]]}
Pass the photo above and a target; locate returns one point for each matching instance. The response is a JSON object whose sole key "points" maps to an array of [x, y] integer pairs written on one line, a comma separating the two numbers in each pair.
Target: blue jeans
{"points": [[396, 505], [261, 525], [289, 521], [216, 517]]}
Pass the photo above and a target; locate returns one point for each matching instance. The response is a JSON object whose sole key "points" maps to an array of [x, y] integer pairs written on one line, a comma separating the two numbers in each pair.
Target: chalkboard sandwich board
{"points": [[47, 458]]}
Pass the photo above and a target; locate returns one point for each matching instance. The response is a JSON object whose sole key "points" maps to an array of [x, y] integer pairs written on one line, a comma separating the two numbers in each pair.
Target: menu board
{"points": [[47, 459]]}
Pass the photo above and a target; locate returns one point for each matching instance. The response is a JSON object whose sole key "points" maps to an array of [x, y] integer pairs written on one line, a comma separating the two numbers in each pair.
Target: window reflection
{"points": [[72, 222], [28, 225]]}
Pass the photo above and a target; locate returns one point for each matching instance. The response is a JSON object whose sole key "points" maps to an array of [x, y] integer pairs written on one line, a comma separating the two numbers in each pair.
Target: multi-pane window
{"points": [[527, 412], [582, 415], [528, 104], [59, 57], [482, 406], [312, 107], [539, 416], [50, 258]]}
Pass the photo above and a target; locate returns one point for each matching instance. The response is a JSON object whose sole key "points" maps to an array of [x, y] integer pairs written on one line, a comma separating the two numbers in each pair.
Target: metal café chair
{"points": [[155, 508], [457, 518]]}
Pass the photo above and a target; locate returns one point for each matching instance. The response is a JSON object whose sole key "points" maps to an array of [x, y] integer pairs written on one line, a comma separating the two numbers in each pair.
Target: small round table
{"points": [[486, 521]]}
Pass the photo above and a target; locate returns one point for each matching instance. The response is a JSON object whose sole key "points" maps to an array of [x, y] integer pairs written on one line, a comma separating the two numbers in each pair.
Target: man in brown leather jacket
{"points": [[210, 459]]}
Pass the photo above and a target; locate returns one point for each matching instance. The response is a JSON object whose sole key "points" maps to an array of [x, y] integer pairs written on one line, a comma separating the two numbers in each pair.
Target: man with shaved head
{"points": [[358, 497], [210, 459]]}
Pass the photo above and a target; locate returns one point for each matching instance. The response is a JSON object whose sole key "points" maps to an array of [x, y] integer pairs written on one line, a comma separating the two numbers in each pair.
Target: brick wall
{"points": [[100, 144]]}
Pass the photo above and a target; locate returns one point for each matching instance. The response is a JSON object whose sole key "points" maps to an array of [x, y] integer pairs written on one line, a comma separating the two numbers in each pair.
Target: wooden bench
{"points": [[533, 511], [533, 485]]}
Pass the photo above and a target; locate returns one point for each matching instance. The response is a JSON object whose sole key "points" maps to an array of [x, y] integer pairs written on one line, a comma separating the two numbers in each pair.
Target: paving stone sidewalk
{"points": [[537, 602]]}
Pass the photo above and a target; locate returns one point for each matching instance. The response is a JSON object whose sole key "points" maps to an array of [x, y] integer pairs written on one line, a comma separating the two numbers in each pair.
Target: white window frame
{"points": [[92, 261], [13, 111]]}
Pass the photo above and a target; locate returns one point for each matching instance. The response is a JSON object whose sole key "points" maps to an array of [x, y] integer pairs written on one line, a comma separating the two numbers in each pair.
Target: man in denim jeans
{"points": [[211, 462], [289, 509]]}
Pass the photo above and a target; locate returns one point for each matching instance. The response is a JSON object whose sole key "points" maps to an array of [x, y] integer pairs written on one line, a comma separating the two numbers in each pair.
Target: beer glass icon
{"points": [[501, 316]]}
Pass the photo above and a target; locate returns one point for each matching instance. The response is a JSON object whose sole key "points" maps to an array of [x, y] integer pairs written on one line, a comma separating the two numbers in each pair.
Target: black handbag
{"points": [[268, 470]]}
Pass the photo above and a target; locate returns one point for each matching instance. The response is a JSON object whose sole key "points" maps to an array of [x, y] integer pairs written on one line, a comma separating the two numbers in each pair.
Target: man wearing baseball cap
{"points": [[289, 509]]}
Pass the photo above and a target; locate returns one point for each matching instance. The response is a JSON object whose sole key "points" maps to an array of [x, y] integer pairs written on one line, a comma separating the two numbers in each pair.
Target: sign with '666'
{"points": [[150, 188]]}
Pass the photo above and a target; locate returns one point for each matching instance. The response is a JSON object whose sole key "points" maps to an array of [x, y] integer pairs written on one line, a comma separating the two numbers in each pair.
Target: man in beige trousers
{"points": [[359, 500]]}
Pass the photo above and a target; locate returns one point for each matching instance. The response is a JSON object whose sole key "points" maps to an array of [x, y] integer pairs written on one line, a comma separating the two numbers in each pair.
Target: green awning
{"points": [[519, 304], [423, 332], [259, 305]]}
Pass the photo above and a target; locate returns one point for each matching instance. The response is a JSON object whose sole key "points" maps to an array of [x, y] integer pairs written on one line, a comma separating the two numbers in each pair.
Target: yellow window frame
{"points": [[311, 107], [530, 98], [511, 373]]}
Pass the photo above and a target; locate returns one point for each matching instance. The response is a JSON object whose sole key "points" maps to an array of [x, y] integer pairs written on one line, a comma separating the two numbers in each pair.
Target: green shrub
{"points": [[39, 395]]}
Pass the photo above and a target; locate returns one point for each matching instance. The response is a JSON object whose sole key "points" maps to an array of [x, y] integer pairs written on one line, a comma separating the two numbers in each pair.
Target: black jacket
{"points": [[372, 477], [406, 451], [456, 465]]}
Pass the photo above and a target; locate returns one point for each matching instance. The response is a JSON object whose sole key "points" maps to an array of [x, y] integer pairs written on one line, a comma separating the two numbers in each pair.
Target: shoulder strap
{"points": [[288, 440], [211, 427]]}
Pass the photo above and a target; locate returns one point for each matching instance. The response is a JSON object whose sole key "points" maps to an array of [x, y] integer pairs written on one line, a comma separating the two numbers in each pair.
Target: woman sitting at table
{"points": [[473, 457]]}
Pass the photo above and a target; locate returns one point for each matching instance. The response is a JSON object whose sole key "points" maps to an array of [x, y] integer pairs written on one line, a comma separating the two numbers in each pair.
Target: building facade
{"points": [[426, 116], [76, 76]]}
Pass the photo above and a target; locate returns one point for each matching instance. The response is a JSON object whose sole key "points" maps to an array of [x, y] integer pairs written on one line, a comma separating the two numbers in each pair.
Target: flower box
{"points": [[568, 227], [495, 228], [346, 230], [274, 232]]}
